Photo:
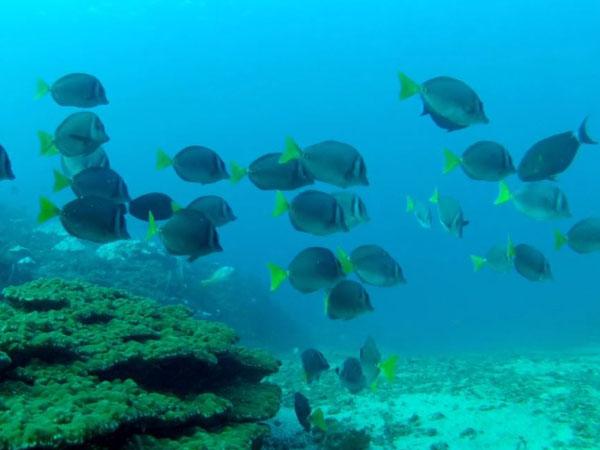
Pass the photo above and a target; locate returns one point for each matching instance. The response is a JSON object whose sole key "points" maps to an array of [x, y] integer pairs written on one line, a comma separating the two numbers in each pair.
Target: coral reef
{"points": [[82, 366]]}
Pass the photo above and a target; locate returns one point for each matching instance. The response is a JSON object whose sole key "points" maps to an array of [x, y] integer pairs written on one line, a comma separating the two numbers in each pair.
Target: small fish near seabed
{"points": [[553, 155], [220, 275], [314, 364], [347, 300], [94, 181], [451, 103], [352, 376], [373, 265], [311, 270], [215, 208], [6, 171], [160, 205], [306, 417], [81, 90]]}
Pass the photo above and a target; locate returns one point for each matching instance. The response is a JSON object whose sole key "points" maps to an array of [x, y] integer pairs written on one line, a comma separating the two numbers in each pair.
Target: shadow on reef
{"points": [[143, 268], [86, 367]]}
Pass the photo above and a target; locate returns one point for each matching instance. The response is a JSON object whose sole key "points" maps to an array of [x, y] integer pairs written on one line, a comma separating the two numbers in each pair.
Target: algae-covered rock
{"points": [[103, 369]]}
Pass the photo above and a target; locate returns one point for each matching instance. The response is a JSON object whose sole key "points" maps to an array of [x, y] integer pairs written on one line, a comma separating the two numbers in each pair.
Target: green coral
{"points": [[101, 367]]}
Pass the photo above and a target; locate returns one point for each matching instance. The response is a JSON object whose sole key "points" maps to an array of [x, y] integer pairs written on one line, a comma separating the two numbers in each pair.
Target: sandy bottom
{"points": [[471, 402]]}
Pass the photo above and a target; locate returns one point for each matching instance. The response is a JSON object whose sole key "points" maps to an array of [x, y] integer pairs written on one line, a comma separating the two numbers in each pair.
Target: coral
{"points": [[82, 366]]}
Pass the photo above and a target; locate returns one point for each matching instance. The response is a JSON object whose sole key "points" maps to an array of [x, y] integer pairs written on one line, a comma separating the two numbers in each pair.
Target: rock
{"points": [[99, 368], [439, 446], [69, 244]]}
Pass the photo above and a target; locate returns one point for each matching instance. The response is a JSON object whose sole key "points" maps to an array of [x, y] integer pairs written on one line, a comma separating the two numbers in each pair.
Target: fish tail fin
{"points": [[389, 366], [176, 207], [408, 87], [345, 261], [583, 135], [152, 227], [237, 172], [162, 159], [435, 197], [48, 210], [510, 249], [281, 204], [47, 147], [478, 262], [278, 275], [504, 194], [317, 419], [60, 181], [452, 161], [559, 240], [41, 89], [292, 151], [410, 204]]}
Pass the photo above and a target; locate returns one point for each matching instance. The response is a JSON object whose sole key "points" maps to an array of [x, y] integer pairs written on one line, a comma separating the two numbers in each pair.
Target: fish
{"points": [[187, 233], [72, 165], [330, 162], [96, 182], [218, 276], [81, 90], [314, 212], [351, 375], [498, 258], [451, 103], [540, 200], [311, 270], [373, 265], [420, 210], [450, 213], [302, 409], [79, 134], [93, 219], [268, 174], [314, 364], [160, 205], [531, 263], [215, 208], [553, 155], [355, 210], [370, 357], [483, 160], [582, 237], [6, 172], [347, 300], [195, 164]]}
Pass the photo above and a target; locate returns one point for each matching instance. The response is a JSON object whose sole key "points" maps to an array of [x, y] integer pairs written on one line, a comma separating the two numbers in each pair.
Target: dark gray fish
{"points": [[450, 102], [81, 133], [71, 166], [540, 200], [352, 376], [311, 270], [313, 212], [583, 237], [552, 155], [94, 219], [331, 162], [100, 182], [531, 263], [215, 208], [75, 89], [347, 300], [314, 364], [267, 174], [189, 233], [302, 409], [160, 205], [6, 172], [450, 214], [355, 210], [375, 266], [370, 357], [483, 160], [195, 163]]}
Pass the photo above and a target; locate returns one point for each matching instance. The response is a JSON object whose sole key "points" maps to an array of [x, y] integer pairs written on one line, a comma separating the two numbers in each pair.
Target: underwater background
{"points": [[240, 76]]}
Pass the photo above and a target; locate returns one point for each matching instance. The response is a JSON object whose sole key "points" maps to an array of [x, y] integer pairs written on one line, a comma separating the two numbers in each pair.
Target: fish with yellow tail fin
{"points": [[498, 258], [483, 160], [195, 164], [540, 200], [583, 237], [420, 210], [450, 213], [268, 174]]}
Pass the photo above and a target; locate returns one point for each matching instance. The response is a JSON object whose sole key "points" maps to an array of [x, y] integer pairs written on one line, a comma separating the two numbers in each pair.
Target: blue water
{"points": [[240, 76]]}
